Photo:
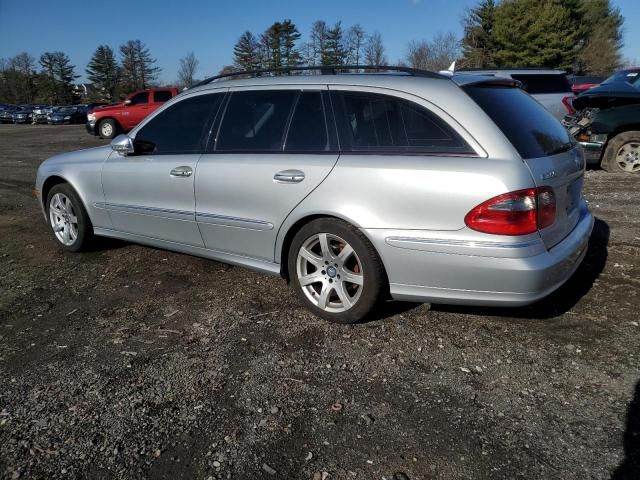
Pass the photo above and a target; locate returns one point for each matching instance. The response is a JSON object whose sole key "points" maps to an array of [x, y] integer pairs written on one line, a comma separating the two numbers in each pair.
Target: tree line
{"points": [[584, 36], [51, 79]]}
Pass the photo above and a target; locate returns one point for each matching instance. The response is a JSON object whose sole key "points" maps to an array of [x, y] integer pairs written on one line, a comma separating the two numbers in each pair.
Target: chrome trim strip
{"points": [[160, 212], [228, 221], [404, 242]]}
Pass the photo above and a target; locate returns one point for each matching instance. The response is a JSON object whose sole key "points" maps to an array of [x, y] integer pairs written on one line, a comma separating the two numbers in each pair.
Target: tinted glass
{"points": [[142, 97], [181, 128], [308, 130], [161, 96], [255, 121], [629, 76], [543, 83], [532, 130], [383, 123]]}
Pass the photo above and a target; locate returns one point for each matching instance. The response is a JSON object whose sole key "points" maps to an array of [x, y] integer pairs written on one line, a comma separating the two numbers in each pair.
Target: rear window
{"points": [[543, 83], [533, 131], [161, 96]]}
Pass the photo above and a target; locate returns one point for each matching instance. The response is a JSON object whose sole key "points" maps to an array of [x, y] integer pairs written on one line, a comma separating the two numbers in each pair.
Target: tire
{"points": [[68, 219], [623, 153], [108, 128], [320, 278]]}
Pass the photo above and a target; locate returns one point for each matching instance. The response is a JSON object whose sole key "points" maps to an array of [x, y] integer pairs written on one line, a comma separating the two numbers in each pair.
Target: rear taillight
{"points": [[514, 213], [568, 104]]}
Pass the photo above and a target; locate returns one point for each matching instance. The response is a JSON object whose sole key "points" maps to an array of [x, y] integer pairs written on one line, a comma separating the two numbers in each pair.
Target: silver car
{"points": [[354, 188]]}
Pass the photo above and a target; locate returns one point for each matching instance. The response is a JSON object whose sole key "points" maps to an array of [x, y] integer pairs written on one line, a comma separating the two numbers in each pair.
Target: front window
{"points": [[138, 98]]}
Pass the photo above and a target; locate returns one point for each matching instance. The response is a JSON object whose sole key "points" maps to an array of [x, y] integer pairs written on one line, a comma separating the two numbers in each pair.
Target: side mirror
{"points": [[122, 144], [127, 101]]}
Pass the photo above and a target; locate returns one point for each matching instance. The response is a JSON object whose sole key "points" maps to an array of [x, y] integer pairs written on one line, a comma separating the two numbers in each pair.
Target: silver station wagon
{"points": [[353, 187]]}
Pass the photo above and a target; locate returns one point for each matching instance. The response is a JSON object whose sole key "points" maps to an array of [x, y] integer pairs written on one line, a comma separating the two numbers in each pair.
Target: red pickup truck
{"points": [[110, 120]]}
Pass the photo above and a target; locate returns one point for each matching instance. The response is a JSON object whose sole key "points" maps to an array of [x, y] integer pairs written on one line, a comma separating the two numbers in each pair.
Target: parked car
{"points": [[607, 125], [22, 114], [6, 114], [109, 120], [550, 87], [67, 114], [582, 83], [40, 113], [460, 190], [629, 75]]}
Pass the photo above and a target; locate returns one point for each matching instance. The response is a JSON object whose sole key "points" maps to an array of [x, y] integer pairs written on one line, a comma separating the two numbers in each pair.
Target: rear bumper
{"points": [[509, 274]]}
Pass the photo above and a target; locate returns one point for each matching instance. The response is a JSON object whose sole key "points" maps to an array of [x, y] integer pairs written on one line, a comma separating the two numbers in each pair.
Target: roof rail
{"points": [[324, 70]]}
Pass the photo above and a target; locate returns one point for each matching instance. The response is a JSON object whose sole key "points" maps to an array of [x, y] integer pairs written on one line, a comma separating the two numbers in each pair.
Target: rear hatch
{"points": [[546, 148]]}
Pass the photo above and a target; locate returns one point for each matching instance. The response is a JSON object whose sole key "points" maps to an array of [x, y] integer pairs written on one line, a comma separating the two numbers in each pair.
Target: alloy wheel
{"points": [[329, 272], [63, 219]]}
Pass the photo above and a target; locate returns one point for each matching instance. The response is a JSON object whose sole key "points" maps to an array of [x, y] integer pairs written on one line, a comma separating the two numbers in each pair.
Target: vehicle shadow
{"points": [[629, 469], [563, 299], [102, 244]]}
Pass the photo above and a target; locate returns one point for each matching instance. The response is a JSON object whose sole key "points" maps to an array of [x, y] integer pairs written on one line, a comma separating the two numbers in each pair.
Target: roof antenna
{"points": [[449, 71]]}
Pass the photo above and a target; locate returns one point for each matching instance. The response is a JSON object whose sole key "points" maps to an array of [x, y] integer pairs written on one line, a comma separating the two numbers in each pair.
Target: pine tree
{"points": [[103, 71], [289, 35], [334, 51], [538, 33], [138, 70], [478, 43], [246, 52], [56, 79]]}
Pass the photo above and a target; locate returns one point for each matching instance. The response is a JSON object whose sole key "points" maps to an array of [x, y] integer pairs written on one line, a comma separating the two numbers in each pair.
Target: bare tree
{"points": [[355, 43], [374, 50], [435, 55], [314, 50], [187, 70]]}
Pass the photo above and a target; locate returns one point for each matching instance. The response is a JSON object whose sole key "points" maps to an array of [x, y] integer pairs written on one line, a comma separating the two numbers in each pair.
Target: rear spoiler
{"points": [[464, 80]]}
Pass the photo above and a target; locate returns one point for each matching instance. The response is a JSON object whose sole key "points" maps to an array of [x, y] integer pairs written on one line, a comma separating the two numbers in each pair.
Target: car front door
{"points": [[151, 193], [273, 147], [135, 110]]}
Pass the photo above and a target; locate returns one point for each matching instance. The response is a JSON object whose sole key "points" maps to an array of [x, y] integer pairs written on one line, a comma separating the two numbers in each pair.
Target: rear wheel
{"points": [[68, 218], [623, 153], [107, 128], [335, 271]]}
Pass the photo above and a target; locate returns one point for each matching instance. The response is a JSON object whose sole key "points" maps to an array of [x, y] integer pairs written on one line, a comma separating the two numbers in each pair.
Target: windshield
{"points": [[66, 109], [630, 77], [532, 130]]}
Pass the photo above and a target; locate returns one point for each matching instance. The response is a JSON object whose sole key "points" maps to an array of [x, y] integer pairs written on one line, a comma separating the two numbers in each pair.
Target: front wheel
{"points": [[623, 153], [68, 218], [107, 128], [335, 271]]}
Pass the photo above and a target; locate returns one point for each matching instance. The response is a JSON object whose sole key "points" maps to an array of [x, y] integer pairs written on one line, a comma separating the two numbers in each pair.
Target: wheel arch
{"points": [[56, 179], [283, 246]]}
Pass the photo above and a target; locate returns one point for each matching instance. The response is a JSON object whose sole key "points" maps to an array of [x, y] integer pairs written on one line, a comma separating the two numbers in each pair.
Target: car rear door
{"points": [[272, 149], [546, 147]]}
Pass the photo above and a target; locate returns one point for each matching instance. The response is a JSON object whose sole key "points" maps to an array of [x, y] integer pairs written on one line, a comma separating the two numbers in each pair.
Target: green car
{"points": [[607, 122]]}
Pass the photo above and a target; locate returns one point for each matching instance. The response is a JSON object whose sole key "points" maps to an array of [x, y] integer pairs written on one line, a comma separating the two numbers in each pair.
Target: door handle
{"points": [[183, 171], [289, 176]]}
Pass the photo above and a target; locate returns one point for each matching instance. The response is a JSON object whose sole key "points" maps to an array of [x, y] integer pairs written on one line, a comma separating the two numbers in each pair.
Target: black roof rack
{"points": [[325, 70]]}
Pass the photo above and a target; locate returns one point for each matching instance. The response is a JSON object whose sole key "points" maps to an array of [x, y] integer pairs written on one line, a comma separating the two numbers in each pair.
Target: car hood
{"points": [[608, 95], [113, 106]]}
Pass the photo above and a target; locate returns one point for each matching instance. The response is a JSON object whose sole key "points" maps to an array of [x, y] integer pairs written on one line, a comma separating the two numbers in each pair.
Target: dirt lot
{"points": [[132, 362]]}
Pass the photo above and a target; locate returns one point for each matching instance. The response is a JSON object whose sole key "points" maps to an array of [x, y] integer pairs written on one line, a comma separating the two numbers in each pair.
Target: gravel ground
{"points": [[133, 362]]}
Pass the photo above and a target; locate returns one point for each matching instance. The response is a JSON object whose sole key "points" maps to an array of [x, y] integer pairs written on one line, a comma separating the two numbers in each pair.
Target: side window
{"points": [[181, 128], [308, 130], [161, 96], [375, 122], [142, 97], [255, 121]]}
